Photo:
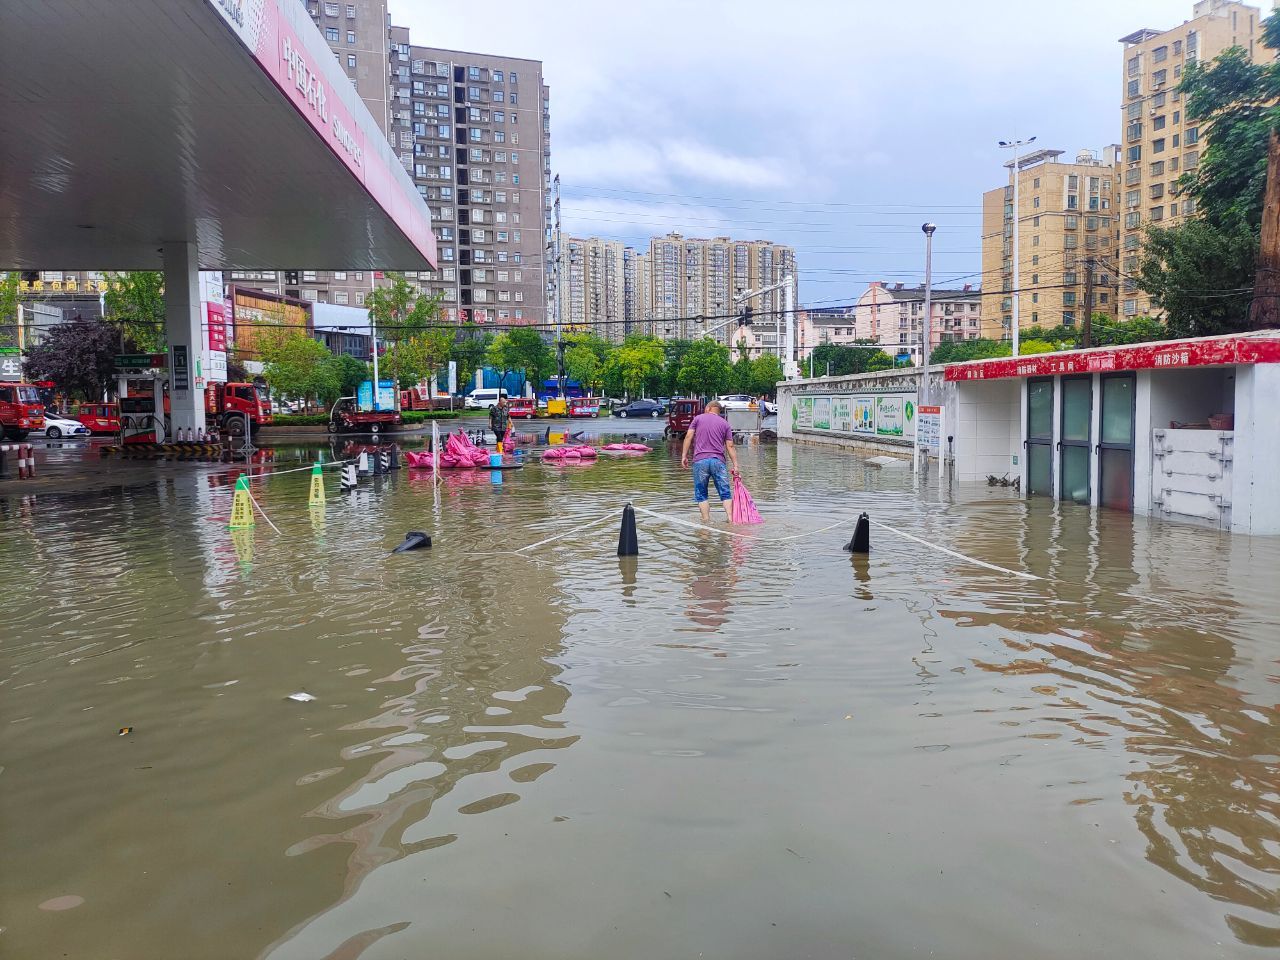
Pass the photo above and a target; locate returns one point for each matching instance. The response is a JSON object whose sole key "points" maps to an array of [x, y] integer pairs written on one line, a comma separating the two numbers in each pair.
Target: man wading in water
{"points": [[712, 440]]}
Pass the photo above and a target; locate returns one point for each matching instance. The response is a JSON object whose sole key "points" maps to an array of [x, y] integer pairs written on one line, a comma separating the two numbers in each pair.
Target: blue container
{"points": [[495, 459]]}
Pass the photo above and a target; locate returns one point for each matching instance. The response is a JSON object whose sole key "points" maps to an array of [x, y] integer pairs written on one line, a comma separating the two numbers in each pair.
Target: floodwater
{"points": [[731, 747]]}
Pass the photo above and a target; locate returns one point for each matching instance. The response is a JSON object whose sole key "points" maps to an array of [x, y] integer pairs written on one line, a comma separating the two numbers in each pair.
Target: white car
{"points": [[57, 427], [737, 401], [484, 398]]}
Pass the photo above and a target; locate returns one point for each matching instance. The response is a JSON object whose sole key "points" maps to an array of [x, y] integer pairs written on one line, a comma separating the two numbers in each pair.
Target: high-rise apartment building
{"points": [[605, 287], [694, 280], [1067, 221], [1160, 142], [474, 133]]}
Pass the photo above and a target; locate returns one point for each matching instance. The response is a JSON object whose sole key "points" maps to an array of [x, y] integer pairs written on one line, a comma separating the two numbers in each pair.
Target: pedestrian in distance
{"points": [[711, 441]]}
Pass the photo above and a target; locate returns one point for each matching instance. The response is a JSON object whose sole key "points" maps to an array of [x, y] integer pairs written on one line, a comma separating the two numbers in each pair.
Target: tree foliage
{"points": [[350, 372], [1201, 273], [9, 310], [845, 360], [134, 304], [766, 373], [410, 360], [705, 369], [78, 356], [638, 363], [300, 367]]}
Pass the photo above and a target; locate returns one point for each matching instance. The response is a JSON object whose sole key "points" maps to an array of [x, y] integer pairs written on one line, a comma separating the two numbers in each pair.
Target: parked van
{"points": [[484, 398]]}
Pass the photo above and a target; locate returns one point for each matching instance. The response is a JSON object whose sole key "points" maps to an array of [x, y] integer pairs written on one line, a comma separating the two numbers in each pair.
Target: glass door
{"points": [[1076, 439], [1115, 447], [1039, 441]]}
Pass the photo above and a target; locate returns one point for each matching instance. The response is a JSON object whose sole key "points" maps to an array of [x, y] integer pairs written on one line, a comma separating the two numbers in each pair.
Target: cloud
{"points": [[635, 221], [658, 165]]}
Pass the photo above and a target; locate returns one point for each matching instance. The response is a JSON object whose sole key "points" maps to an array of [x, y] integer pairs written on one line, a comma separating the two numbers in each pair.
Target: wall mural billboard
{"points": [[891, 415]]}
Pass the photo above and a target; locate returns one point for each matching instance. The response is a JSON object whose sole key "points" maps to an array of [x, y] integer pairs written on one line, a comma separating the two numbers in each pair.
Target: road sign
{"points": [[133, 361]]}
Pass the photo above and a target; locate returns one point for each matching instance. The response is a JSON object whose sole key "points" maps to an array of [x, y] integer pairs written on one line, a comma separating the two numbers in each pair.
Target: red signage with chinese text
{"points": [[1206, 352]]}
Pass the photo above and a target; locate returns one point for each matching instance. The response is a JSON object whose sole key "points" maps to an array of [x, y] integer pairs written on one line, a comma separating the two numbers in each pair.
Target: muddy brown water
{"points": [[729, 747]]}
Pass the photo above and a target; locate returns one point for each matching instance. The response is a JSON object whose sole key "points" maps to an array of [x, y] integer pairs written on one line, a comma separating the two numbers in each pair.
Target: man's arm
{"points": [[684, 451], [730, 452]]}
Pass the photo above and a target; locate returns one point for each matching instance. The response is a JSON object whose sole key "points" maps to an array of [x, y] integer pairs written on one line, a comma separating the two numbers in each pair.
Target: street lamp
{"points": [[1017, 215], [928, 229]]}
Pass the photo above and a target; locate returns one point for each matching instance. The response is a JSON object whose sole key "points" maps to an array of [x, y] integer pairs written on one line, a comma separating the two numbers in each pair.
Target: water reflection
{"points": [[1133, 640]]}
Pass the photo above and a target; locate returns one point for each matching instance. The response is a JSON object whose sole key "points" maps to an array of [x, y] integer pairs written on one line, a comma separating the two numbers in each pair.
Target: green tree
{"points": [[135, 306], [630, 367], [705, 369], [1201, 275], [582, 364], [1206, 273], [741, 376], [78, 356], [957, 351], [300, 367], [9, 311], [843, 360], [529, 353], [470, 350], [766, 372], [405, 316], [410, 360], [880, 361], [666, 381], [349, 372]]}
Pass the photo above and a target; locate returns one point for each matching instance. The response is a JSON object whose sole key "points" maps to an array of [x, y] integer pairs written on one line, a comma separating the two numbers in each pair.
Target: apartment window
{"points": [[1035, 184], [499, 96], [1133, 89], [1157, 146], [1073, 202], [514, 76], [1035, 278], [499, 117], [340, 275], [1157, 168], [1132, 67], [473, 73], [1175, 139], [519, 297], [1073, 182], [1035, 241], [331, 34], [1156, 191], [1158, 123], [1133, 131], [1069, 277], [499, 137], [1160, 54], [1131, 241], [512, 98], [351, 37], [1160, 78], [340, 296], [497, 76], [1132, 220], [1070, 222], [1159, 100], [1035, 203], [351, 11], [1157, 214], [475, 133], [1133, 111], [1177, 48], [351, 61], [1068, 298], [1070, 241], [1035, 298], [330, 9], [1130, 307], [1191, 136], [1091, 223], [1134, 153]]}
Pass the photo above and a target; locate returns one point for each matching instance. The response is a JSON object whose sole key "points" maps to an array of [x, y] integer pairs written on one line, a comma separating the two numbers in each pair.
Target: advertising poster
{"points": [[822, 413], [802, 413], [890, 417], [864, 415], [215, 315], [842, 414]]}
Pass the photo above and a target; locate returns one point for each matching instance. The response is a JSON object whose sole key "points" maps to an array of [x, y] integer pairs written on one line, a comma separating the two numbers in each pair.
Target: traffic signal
{"points": [[746, 317]]}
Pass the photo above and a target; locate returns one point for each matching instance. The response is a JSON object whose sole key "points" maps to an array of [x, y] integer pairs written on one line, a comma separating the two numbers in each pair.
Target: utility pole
{"points": [[555, 250], [1086, 338], [789, 318], [1017, 216], [928, 229]]}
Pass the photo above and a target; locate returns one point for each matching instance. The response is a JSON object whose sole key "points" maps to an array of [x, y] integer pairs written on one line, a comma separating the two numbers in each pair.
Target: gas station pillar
{"points": [[182, 324]]}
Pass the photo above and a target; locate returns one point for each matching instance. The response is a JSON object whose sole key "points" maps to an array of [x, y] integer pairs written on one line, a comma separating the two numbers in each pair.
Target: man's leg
{"points": [[721, 475], [705, 509], [700, 478]]}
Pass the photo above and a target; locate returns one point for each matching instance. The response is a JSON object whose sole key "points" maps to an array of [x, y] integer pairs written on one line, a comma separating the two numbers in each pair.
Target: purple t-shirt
{"points": [[710, 431]]}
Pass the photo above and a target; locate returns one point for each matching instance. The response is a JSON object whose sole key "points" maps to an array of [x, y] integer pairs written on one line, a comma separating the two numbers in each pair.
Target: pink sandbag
{"points": [[742, 509], [585, 452], [422, 459], [626, 448], [459, 451]]}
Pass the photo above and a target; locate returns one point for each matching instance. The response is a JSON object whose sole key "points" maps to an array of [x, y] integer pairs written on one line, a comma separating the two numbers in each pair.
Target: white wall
{"points": [[988, 429], [1255, 497]]}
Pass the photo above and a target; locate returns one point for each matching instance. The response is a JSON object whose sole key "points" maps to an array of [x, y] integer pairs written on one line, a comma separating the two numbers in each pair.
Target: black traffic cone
{"points": [[861, 542], [628, 546], [413, 540]]}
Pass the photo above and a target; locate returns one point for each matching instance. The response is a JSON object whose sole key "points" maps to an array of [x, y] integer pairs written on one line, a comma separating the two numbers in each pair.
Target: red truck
{"points": [[518, 407], [225, 404], [21, 410], [418, 398], [100, 417], [347, 417]]}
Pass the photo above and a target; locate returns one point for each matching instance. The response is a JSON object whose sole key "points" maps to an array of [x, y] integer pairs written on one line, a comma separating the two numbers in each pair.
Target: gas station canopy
{"points": [[224, 124]]}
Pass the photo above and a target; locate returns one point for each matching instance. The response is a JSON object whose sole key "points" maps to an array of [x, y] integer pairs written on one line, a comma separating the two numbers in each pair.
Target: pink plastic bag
{"points": [[742, 509]]}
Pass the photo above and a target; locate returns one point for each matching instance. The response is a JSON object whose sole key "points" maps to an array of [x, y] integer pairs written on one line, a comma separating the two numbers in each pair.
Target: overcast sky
{"points": [[837, 127]]}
